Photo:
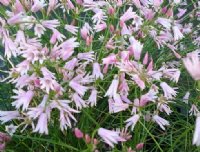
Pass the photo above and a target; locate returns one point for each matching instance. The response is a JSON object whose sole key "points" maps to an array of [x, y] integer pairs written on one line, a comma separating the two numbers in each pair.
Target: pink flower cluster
{"points": [[65, 48]]}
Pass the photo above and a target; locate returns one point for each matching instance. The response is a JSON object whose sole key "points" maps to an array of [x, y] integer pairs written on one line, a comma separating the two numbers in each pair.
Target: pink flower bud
{"points": [[87, 139], [139, 146], [95, 141], [80, 2], [111, 10], [78, 133]]}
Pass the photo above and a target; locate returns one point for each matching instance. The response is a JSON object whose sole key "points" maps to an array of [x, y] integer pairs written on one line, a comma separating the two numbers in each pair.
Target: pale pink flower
{"points": [[85, 31], [47, 73], [169, 92], [137, 3], [100, 27], [160, 121], [69, 4], [99, 16], [173, 74], [111, 59], [65, 113], [39, 30], [38, 5], [192, 64], [164, 108], [52, 5], [129, 14], [181, 12], [36, 111], [72, 29], [88, 56], [117, 105], [157, 3], [20, 38], [50, 24], [47, 83], [10, 48], [135, 48], [137, 22], [110, 137], [41, 126], [77, 87], [42, 112], [177, 33], [78, 133], [144, 99], [5, 2], [18, 18], [112, 90], [145, 59], [126, 30], [148, 13], [196, 136], [57, 36], [65, 116], [110, 44], [79, 102], [6, 116], [123, 86], [164, 22], [71, 64], [22, 99], [138, 81], [96, 73], [68, 48], [92, 101], [23, 67], [132, 121]]}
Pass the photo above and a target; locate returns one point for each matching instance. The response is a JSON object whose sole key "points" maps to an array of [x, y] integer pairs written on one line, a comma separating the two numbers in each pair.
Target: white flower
{"points": [[196, 136], [132, 121], [110, 137], [160, 121]]}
